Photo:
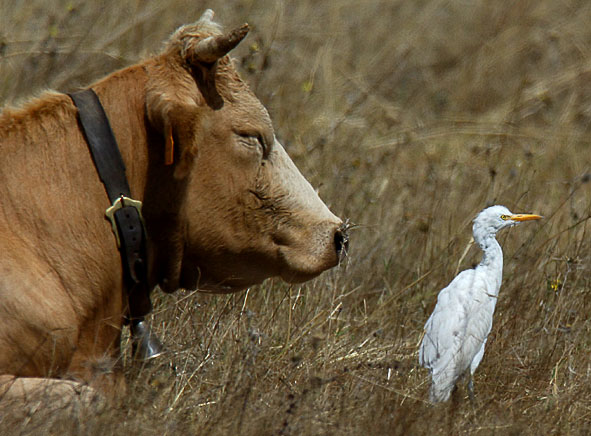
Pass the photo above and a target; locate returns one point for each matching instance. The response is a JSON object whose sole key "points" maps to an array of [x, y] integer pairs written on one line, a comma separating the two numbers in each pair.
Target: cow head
{"points": [[225, 206]]}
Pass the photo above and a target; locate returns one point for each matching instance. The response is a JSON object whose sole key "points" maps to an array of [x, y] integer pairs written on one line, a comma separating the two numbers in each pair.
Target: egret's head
{"points": [[494, 218]]}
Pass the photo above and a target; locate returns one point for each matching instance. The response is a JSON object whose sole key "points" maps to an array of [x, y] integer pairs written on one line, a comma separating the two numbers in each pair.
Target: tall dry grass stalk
{"points": [[410, 117]]}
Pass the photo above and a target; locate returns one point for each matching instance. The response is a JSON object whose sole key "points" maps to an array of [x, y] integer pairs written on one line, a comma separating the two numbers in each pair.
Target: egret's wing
{"points": [[478, 358], [458, 327], [445, 349], [478, 329], [444, 330]]}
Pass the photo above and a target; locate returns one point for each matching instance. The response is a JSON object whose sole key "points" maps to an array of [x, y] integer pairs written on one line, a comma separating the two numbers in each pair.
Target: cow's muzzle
{"points": [[341, 240]]}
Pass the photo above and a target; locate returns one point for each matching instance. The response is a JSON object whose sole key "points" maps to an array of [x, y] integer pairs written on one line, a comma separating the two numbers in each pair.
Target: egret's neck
{"points": [[492, 259]]}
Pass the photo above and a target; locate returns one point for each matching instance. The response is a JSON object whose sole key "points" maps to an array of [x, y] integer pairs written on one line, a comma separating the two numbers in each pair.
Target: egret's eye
{"points": [[505, 217]]}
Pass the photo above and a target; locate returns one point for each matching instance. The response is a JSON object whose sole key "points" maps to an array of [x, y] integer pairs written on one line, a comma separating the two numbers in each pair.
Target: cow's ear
{"points": [[168, 145], [174, 124], [180, 145]]}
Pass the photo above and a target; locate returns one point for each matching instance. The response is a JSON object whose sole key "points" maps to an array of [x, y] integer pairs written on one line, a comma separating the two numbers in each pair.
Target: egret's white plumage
{"points": [[456, 331]]}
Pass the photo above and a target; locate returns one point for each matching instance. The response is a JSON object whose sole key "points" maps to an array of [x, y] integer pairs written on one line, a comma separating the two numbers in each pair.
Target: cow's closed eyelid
{"points": [[252, 140]]}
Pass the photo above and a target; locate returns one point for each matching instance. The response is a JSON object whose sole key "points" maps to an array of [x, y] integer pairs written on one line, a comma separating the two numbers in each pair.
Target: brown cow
{"points": [[231, 210]]}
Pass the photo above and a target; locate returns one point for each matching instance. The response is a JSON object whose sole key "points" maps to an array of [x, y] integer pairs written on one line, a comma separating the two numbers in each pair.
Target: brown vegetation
{"points": [[410, 116]]}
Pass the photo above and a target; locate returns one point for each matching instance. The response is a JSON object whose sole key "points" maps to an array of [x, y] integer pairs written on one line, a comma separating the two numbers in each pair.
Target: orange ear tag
{"points": [[169, 147]]}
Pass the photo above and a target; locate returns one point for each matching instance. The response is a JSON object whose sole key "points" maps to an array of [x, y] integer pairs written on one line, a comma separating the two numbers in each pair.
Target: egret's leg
{"points": [[471, 389]]}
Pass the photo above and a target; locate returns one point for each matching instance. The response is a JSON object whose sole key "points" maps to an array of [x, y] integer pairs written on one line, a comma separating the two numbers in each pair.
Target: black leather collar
{"points": [[124, 213]]}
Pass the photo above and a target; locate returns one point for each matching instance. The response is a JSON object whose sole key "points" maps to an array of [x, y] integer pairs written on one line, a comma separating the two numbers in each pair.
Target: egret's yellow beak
{"points": [[525, 217]]}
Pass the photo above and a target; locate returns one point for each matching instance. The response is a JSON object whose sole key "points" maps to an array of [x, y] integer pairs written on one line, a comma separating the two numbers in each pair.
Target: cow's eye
{"points": [[253, 140]]}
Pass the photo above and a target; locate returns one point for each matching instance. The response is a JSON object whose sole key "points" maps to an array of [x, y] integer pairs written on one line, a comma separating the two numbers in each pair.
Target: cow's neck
{"points": [[122, 96]]}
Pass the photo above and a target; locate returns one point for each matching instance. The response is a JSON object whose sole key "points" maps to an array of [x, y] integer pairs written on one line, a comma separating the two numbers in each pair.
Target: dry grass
{"points": [[411, 116]]}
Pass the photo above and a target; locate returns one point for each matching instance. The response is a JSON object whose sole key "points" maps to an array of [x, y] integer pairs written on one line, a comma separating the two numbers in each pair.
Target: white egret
{"points": [[456, 331]]}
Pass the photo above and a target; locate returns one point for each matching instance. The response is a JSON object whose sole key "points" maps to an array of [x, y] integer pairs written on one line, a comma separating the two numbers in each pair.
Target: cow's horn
{"points": [[213, 48], [207, 15]]}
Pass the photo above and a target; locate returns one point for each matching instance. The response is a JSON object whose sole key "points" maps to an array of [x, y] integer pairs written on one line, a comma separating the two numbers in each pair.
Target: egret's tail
{"points": [[439, 394], [443, 383]]}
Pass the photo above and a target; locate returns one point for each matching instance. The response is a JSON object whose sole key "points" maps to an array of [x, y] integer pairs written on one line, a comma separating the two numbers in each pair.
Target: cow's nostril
{"points": [[341, 241]]}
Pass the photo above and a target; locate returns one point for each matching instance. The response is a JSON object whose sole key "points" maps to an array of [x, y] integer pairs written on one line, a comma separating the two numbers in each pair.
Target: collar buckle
{"points": [[120, 203]]}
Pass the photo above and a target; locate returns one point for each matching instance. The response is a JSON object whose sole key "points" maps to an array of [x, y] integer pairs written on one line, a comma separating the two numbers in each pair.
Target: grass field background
{"points": [[410, 117]]}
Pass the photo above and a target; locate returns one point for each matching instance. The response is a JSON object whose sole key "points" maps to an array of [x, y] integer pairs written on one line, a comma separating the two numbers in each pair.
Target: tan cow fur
{"points": [[227, 214]]}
